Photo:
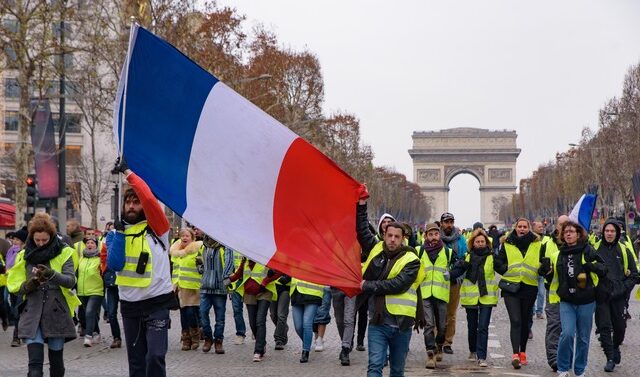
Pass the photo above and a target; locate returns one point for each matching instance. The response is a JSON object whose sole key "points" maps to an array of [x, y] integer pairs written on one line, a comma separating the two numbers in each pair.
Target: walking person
{"points": [[344, 309], [18, 241], [452, 239], [391, 277], [322, 319], [306, 297], [612, 291], [258, 289], [574, 275], [435, 259], [538, 228], [44, 273], [479, 294], [216, 264], [139, 255], [184, 254], [90, 291], [111, 291], [237, 304], [518, 261], [279, 312]]}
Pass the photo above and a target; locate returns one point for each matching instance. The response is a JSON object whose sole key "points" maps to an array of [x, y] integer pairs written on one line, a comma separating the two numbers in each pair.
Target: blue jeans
{"points": [[323, 315], [189, 317], [303, 316], [576, 322], [540, 300], [382, 338], [478, 330], [112, 308], [237, 305], [219, 304], [55, 344], [147, 340], [89, 313]]}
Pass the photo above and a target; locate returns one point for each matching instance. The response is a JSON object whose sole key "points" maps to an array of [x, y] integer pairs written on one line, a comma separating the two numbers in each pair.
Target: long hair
{"points": [[478, 233]]}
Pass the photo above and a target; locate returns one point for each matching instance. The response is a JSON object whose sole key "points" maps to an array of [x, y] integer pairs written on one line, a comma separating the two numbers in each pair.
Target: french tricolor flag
{"points": [[230, 169], [583, 210]]}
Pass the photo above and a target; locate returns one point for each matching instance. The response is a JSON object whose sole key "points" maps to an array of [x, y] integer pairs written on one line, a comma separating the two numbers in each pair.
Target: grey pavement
{"points": [[102, 361]]}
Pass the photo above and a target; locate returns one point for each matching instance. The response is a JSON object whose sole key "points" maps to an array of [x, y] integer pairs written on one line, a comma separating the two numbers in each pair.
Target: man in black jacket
{"points": [[610, 304], [390, 274]]}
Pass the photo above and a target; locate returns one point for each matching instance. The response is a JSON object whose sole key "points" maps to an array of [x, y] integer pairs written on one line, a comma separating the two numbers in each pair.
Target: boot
{"points": [[344, 356], [195, 338], [206, 347], [36, 359], [304, 358], [617, 357], [609, 366], [117, 343], [439, 353], [217, 345], [431, 360], [56, 363], [186, 340]]}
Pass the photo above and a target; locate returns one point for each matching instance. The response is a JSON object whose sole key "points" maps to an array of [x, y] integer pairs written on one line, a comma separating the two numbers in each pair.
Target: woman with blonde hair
{"points": [[518, 261], [479, 294], [184, 253], [44, 273]]}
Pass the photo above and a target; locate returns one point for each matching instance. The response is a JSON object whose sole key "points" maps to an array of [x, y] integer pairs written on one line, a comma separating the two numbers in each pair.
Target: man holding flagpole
{"points": [[143, 277]]}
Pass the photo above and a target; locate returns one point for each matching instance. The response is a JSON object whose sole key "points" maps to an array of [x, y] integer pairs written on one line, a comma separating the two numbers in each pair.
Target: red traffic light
{"points": [[30, 181]]}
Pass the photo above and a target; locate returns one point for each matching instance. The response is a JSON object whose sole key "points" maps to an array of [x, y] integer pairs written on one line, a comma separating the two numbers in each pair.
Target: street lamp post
{"points": [[62, 187]]}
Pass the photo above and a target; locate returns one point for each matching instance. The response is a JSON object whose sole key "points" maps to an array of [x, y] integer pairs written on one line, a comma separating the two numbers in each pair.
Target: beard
{"points": [[133, 217]]}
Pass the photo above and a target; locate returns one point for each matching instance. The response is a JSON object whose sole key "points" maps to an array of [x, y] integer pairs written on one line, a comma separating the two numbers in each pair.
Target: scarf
{"points": [[522, 243], [90, 253], [455, 234], [571, 264], [432, 249], [43, 254], [475, 273]]}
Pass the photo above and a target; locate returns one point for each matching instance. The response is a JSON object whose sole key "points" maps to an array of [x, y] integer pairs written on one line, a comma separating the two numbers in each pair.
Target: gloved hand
{"points": [[270, 273], [464, 265], [44, 273], [446, 275], [199, 261], [118, 226], [120, 166], [226, 282], [460, 279], [31, 285], [262, 289]]}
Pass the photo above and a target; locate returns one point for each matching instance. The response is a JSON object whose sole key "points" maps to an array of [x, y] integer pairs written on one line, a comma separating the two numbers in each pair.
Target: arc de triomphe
{"points": [[490, 156]]}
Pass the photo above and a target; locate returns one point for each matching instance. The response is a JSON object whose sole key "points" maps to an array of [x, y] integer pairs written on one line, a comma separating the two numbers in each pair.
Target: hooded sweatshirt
{"points": [[384, 216], [611, 253]]}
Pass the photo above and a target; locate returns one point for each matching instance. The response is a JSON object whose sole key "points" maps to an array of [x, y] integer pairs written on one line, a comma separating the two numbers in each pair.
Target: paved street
{"points": [[102, 361]]}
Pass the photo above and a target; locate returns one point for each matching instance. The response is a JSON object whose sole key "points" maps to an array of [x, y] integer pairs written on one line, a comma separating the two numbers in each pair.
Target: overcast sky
{"points": [[542, 68]]}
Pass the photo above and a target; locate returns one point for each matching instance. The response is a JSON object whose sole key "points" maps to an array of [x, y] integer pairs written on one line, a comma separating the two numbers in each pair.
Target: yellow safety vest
{"points": [[470, 292], [135, 243], [187, 270], [90, 281], [523, 269], [623, 250], [306, 288], [434, 283], [403, 303], [18, 275], [258, 274], [554, 298], [3, 277]]}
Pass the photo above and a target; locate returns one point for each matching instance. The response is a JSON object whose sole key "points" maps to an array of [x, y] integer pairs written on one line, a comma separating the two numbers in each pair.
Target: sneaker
{"points": [[610, 366], [239, 340], [581, 375], [319, 345], [360, 347], [523, 358], [96, 338], [15, 342], [257, 357], [563, 374], [117, 343], [515, 361], [472, 356], [482, 363], [617, 357], [447, 350], [87, 341], [344, 356], [279, 346]]}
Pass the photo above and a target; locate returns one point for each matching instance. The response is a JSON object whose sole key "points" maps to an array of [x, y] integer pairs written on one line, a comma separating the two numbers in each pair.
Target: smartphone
{"points": [[143, 259]]}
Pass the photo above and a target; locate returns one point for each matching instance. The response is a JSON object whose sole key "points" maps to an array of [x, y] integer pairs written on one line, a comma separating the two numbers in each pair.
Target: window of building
{"points": [[11, 88], [11, 121], [73, 155], [74, 122]]}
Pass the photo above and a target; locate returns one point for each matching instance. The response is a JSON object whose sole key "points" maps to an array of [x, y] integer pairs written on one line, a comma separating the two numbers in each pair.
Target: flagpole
{"points": [[134, 24]]}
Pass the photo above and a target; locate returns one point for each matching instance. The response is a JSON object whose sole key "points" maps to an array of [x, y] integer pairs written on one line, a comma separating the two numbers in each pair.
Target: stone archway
{"points": [[489, 156]]}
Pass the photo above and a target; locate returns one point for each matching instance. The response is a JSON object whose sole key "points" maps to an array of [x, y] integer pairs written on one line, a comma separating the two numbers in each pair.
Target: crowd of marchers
{"points": [[54, 287]]}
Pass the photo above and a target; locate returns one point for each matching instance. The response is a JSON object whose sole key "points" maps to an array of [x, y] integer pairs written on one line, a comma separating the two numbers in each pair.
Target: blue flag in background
{"points": [[583, 210]]}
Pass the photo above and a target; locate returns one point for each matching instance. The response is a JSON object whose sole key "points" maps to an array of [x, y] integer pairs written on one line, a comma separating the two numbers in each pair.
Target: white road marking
{"points": [[493, 343], [496, 356]]}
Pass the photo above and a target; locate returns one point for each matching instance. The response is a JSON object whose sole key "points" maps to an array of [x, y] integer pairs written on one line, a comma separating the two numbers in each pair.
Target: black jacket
{"points": [[617, 283], [374, 287], [593, 263]]}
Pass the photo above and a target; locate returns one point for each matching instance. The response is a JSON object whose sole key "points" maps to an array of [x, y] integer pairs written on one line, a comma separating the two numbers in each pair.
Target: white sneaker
{"points": [[563, 374], [87, 340], [257, 357], [483, 363], [239, 340], [319, 345], [582, 375], [96, 338]]}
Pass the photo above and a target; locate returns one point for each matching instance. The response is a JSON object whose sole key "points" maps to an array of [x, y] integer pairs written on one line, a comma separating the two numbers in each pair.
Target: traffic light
{"points": [[32, 190]]}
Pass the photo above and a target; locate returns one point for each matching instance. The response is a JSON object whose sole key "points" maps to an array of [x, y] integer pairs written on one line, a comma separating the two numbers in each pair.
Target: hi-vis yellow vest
{"points": [[470, 292], [623, 250], [135, 243], [403, 303], [3, 277], [555, 283], [306, 288], [521, 269], [188, 276], [258, 274], [18, 275], [434, 283]]}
